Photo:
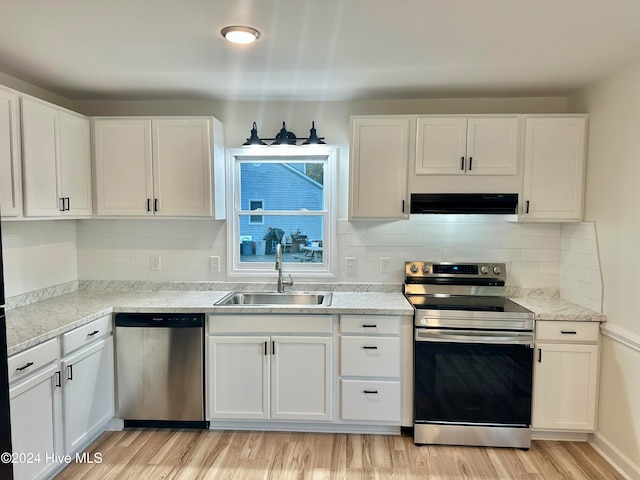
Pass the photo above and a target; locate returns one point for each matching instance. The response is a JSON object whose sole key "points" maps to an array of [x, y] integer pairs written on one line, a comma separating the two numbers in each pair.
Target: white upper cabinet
{"points": [[182, 166], [124, 181], [379, 149], [160, 167], [75, 164], [454, 145], [56, 162], [554, 161], [10, 169]]}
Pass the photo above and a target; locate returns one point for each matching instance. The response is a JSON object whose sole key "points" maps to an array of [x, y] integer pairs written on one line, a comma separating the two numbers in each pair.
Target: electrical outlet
{"points": [[385, 265], [154, 261], [214, 264], [350, 264]]}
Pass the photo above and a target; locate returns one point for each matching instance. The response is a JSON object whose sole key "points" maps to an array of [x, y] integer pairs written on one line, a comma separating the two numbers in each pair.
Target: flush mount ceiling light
{"points": [[239, 34]]}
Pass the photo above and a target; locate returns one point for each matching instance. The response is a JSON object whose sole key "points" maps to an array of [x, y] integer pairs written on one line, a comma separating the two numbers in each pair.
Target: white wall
{"points": [[38, 255], [612, 202]]}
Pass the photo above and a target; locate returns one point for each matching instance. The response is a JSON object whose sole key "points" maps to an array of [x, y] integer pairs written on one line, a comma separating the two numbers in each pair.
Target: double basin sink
{"points": [[275, 298]]}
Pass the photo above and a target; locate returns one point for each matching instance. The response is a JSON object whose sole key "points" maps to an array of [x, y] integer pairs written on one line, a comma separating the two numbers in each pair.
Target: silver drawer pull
{"points": [[373, 392], [369, 347], [568, 332], [19, 369]]}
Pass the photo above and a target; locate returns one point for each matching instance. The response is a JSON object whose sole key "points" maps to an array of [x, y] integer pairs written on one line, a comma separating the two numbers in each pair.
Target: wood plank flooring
{"points": [[149, 454]]}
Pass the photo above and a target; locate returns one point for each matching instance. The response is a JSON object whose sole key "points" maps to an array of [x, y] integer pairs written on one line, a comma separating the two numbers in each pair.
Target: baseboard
{"points": [[615, 457], [304, 427], [559, 436]]}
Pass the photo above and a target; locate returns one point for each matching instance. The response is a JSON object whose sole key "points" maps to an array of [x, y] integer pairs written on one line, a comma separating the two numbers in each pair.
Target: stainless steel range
{"points": [[473, 356]]}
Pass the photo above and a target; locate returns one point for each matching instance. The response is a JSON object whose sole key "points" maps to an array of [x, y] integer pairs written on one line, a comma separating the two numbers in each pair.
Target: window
{"points": [[256, 205], [292, 189]]}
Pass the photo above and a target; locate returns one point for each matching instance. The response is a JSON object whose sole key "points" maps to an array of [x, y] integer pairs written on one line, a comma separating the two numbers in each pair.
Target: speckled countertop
{"points": [[558, 309], [35, 323], [40, 321]]}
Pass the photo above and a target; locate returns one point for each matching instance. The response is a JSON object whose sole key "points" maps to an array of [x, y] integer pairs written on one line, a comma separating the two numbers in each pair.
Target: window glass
{"points": [[291, 193]]}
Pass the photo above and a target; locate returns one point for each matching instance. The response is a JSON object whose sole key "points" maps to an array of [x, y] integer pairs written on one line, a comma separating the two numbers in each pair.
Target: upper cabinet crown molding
{"points": [[10, 167], [158, 166], [554, 168], [56, 160]]}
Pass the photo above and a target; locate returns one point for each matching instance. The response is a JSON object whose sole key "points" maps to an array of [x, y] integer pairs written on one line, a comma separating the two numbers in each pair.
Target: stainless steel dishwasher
{"points": [[160, 369]]}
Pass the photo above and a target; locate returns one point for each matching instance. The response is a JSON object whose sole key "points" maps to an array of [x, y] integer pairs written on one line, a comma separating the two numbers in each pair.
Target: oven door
{"points": [[473, 377]]}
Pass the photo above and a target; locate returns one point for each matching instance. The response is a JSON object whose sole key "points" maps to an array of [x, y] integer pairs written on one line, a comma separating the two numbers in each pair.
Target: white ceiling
{"points": [[316, 49]]}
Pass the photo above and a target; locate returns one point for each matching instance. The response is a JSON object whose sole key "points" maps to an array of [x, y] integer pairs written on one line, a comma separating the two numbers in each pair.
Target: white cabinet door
{"points": [[301, 378], [379, 162], [492, 145], [75, 161], [564, 385], [88, 398], [10, 169], [35, 424], [554, 168], [238, 370], [124, 181], [40, 153], [182, 166], [441, 146], [56, 159], [486, 145]]}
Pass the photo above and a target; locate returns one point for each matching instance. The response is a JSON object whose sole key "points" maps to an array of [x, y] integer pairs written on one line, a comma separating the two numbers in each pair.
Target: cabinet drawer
{"points": [[370, 356], [31, 360], [568, 331], [370, 324], [376, 401], [86, 334]]}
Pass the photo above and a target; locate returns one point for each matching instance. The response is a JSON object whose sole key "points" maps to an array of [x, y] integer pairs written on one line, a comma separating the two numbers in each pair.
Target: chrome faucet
{"points": [[281, 283]]}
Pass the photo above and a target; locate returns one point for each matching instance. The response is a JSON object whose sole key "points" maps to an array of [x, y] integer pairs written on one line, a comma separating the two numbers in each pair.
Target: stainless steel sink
{"points": [[275, 298]]}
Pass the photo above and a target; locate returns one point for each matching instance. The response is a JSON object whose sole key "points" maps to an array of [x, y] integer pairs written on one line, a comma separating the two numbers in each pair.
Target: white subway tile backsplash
{"points": [[537, 255], [580, 277]]}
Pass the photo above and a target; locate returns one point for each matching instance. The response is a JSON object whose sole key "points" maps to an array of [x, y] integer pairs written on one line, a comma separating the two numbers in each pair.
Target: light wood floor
{"points": [[144, 454]]}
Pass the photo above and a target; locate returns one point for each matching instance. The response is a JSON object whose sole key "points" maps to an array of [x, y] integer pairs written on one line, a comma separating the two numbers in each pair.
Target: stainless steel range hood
{"points": [[465, 203]]}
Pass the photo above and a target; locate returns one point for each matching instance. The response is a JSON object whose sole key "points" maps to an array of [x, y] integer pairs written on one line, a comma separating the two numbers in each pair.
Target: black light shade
{"points": [[284, 137], [313, 137], [254, 139]]}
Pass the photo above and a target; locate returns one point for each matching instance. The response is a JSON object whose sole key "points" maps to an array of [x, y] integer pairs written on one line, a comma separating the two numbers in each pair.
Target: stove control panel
{"points": [[422, 270]]}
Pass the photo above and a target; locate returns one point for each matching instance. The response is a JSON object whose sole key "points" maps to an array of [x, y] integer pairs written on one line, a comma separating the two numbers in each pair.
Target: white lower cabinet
{"points": [[565, 378], [35, 424], [58, 406], [260, 376], [88, 392], [370, 369]]}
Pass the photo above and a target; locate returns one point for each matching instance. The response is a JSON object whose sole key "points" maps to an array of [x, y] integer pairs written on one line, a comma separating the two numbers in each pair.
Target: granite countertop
{"points": [[35, 323], [558, 309], [32, 324]]}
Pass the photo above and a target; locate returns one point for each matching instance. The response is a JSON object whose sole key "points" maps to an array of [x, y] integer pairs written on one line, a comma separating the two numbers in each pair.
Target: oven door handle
{"points": [[474, 336]]}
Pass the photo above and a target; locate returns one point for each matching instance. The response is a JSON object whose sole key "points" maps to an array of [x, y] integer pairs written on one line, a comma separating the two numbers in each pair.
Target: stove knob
{"points": [[484, 270], [426, 269], [497, 270], [414, 269]]}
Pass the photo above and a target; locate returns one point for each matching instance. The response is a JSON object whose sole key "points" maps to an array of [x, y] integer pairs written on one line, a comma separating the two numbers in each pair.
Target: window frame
{"points": [[286, 154]]}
